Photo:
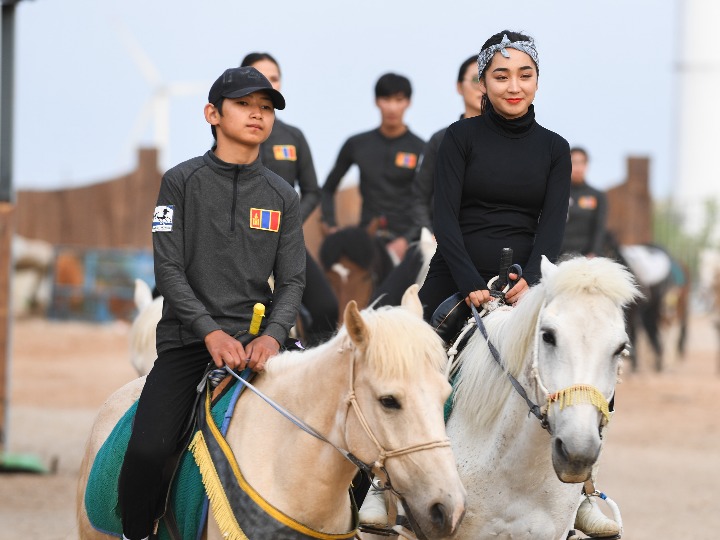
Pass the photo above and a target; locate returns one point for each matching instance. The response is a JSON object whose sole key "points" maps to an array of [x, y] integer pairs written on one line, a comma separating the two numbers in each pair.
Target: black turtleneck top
{"points": [[499, 183]]}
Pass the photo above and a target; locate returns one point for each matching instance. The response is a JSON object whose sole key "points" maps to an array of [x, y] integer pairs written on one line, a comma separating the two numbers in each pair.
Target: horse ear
{"points": [[410, 300], [355, 324], [546, 267]]}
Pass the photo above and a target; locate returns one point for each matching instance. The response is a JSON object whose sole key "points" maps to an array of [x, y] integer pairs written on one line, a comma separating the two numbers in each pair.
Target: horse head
{"points": [[579, 341], [396, 422]]}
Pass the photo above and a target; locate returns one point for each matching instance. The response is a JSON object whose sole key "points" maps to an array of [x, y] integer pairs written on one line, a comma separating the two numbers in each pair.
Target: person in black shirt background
{"points": [[387, 157], [287, 154], [468, 86], [587, 214]]}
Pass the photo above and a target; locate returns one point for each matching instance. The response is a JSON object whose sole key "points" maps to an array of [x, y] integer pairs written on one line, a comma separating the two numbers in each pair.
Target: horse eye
{"points": [[389, 402], [548, 337], [622, 350]]}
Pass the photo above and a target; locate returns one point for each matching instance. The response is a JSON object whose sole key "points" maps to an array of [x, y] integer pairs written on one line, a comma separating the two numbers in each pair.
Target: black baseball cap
{"points": [[241, 81]]}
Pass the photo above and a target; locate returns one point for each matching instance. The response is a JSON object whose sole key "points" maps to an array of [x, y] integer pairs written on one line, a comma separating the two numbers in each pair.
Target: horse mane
{"points": [[399, 340], [482, 387]]}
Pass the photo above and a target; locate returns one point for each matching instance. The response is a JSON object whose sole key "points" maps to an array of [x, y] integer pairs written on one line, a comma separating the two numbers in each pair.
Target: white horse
{"points": [[376, 389], [142, 331], [563, 342]]}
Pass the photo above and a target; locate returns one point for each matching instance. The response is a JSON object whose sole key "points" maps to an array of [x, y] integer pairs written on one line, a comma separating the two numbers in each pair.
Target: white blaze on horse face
{"points": [[578, 344]]}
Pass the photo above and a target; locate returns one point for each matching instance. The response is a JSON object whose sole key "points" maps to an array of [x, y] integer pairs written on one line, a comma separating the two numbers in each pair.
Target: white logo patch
{"points": [[163, 218]]}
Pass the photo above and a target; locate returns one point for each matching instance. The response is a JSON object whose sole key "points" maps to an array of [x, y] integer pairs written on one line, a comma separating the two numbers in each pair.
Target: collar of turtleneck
{"points": [[515, 128], [230, 169]]}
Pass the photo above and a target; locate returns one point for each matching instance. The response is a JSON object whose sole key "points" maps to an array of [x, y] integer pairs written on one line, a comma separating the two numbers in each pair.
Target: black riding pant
{"points": [[158, 432], [390, 291], [319, 300], [436, 289]]}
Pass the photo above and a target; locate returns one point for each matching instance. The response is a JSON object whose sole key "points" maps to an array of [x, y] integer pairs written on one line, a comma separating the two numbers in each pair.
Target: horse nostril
{"points": [[560, 450], [438, 515]]}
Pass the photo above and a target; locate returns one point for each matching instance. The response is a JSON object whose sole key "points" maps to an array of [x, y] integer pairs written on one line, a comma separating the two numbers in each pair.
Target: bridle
{"points": [[383, 454], [577, 393]]}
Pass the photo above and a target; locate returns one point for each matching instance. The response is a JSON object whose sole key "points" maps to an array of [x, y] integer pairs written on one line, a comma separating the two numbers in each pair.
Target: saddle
{"points": [[449, 317]]}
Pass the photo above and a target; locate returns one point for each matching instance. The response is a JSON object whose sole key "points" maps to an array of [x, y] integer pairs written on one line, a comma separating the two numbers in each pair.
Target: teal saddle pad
{"points": [[187, 494]]}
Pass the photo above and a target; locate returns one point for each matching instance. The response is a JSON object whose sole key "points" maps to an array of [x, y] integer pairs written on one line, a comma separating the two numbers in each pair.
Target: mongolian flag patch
{"points": [[285, 152], [265, 220], [405, 160], [587, 202]]}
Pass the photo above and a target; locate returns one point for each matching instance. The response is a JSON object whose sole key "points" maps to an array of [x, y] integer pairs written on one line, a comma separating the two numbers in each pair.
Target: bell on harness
{"points": [[450, 316]]}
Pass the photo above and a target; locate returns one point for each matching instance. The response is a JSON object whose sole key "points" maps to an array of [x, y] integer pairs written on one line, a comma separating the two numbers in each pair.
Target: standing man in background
{"points": [[387, 157], [468, 86], [587, 214]]}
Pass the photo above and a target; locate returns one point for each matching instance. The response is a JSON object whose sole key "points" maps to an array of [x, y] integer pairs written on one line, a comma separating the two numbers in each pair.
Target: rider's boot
{"points": [[591, 520], [374, 510]]}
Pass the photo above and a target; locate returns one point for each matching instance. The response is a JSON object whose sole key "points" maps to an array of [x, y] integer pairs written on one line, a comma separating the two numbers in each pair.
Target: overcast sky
{"points": [[606, 75]]}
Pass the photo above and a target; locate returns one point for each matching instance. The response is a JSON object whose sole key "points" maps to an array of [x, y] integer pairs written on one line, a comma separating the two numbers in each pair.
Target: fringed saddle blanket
{"points": [[187, 495]]}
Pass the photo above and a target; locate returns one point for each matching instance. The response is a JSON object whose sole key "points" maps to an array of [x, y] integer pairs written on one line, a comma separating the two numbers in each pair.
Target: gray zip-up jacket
{"points": [[219, 231]]}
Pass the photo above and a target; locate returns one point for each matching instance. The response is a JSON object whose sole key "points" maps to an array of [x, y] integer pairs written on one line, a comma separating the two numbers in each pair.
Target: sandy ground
{"points": [[661, 462]]}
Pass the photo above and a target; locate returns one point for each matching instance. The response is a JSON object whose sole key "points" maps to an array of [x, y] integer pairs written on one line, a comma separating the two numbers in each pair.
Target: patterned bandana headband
{"points": [[486, 55]]}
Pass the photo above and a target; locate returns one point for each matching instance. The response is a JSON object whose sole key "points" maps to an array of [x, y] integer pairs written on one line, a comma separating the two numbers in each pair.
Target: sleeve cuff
{"points": [[274, 330], [203, 325]]}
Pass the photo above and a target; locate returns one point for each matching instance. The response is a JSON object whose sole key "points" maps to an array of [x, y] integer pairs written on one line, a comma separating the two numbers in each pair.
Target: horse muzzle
{"points": [[573, 462], [442, 517]]}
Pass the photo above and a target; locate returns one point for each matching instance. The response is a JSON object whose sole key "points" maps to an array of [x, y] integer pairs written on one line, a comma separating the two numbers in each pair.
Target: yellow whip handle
{"points": [[258, 314]]}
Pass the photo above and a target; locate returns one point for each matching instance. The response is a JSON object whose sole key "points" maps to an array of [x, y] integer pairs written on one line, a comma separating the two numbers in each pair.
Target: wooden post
{"points": [[630, 204], [6, 233]]}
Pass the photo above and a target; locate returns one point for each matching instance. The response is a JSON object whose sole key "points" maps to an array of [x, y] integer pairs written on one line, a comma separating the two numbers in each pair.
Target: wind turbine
{"points": [[156, 108]]}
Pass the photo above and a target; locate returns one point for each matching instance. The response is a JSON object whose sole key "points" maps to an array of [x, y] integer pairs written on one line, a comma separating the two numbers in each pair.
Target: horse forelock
{"points": [[399, 341], [599, 275]]}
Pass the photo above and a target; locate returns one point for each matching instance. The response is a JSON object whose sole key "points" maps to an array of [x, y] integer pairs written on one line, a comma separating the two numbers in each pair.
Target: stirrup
{"points": [[590, 520]]}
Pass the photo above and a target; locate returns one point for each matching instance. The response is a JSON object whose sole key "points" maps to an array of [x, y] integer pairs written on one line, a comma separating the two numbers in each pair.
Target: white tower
{"points": [[698, 125], [157, 107]]}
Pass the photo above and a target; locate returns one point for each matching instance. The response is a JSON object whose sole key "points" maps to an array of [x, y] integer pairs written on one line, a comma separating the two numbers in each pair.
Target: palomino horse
{"points": [[376, 389], [563, 342]]}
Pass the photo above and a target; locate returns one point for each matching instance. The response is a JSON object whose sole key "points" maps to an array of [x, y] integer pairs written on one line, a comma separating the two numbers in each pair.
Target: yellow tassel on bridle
{"points": [[581, 393]]}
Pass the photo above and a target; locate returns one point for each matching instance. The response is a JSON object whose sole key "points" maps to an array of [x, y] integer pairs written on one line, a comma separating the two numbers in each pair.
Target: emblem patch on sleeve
{"points": [[587, 202], [285, 152], [163, 218], [265, 220], [405, 160]]}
